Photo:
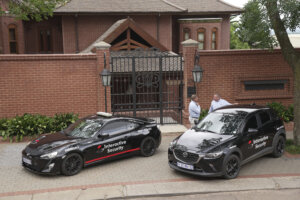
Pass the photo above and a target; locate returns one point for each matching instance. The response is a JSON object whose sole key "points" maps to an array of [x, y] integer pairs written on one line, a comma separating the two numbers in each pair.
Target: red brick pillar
{"points": [[102, 48], [189, 48]]}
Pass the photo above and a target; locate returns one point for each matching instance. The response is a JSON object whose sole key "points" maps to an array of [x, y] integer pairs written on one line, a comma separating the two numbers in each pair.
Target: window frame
{"points": [[9, 27], [186, 30], [201, 30], [214, 30]]}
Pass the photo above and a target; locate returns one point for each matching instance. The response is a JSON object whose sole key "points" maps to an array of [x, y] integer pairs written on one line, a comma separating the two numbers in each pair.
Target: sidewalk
{"points": [[166, 188]]}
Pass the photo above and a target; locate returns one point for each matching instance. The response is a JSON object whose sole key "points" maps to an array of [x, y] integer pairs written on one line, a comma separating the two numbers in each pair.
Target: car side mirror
{"points": [[252, 131], [196, 121]]}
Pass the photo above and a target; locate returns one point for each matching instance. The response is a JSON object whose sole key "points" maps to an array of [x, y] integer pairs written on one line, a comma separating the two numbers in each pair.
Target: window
{"points": [[201, 38], [115, 128], [45, 40], [214, 35], [186, 34], [264, 117], [265, 85], [252, 123], [13, 43]]}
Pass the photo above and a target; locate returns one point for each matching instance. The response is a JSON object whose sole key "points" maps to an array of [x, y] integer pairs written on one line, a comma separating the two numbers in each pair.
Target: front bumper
{"points": [[42, 166], [204, 167]]}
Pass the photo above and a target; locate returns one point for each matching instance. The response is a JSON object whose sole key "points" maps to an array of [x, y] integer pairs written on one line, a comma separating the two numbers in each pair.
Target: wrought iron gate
{"points": [[147, 84]]}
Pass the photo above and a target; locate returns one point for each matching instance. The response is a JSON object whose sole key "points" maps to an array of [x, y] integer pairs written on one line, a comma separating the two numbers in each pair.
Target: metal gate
{"points": [[147, 84]]}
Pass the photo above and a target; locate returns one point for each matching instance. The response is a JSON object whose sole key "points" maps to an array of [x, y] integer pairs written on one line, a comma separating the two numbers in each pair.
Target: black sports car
{"points": [[91, 140], [226, 139]]}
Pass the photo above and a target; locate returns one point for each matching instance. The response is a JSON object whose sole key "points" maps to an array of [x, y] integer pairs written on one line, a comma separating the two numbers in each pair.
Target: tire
{"points": [[231, 166], [72, 164], [278, 148], [148, 146]]}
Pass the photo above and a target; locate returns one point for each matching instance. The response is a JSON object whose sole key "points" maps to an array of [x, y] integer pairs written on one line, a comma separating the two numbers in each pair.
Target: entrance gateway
{"points": [[147, 83]]}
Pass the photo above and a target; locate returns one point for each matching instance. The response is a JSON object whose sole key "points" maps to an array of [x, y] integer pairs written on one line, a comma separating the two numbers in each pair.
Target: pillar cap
{"points": [[190, 43], [102, 45]]}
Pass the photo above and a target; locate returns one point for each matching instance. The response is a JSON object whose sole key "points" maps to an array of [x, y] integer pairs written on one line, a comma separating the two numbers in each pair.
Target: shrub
{"points": [[34, 125], [203, 114], [285, 113]]}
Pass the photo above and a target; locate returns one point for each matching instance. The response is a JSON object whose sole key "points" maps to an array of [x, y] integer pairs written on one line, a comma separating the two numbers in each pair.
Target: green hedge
{"points": [[285, 113], [34, 125]]}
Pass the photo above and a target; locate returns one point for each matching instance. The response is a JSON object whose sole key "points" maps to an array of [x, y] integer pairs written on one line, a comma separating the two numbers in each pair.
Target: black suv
{"points": [[226, 139]]}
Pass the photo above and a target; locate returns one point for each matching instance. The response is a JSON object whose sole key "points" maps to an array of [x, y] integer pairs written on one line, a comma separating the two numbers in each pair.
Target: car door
{"points": [[250, 133], [112, 140], [266, 128]]}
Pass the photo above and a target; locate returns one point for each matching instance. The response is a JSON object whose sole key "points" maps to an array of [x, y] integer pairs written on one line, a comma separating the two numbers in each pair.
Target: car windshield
{"points": [[84, 128], [221, 123]]}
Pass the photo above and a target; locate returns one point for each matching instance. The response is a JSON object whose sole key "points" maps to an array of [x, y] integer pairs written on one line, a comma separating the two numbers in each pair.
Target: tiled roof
{"points": [[146, 6]]}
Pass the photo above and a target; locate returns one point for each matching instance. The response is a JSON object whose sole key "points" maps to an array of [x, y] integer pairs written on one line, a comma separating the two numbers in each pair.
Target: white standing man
{"points": [[194, 110], [217, 102]]}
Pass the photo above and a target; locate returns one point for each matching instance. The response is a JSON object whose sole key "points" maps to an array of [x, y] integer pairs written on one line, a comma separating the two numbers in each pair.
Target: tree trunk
{"points": [[297, 104], [291, 56]]}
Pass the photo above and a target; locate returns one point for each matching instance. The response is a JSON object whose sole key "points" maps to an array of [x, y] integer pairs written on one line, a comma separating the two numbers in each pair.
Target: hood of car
{"points": [[49, 142], [197, 141]]}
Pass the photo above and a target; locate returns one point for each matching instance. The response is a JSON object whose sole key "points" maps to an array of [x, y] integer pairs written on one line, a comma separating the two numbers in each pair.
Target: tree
{"points": [[235, 41], [279, 15], [37, 10], [254, 27]]}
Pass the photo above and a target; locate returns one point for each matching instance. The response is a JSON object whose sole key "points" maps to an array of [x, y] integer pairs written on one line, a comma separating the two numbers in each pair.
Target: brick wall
{"points": [[49, 84], [225, 73], [92, 27]]}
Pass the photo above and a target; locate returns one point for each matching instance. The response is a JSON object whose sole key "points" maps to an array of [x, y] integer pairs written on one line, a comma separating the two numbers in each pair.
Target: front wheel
{"points": [[72, 164], [279, 147], [148, 146], [231, 167]]}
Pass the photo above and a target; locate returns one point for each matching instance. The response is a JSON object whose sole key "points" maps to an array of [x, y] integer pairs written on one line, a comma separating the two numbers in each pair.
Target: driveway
{"points": [[135, 170]]}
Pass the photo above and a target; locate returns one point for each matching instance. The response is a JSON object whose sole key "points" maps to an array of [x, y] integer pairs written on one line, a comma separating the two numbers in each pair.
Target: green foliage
{"points": [[291, 147], [33, 125], [37, 10], [203, 114], [285, 113], [254, 27], [235, 41]]}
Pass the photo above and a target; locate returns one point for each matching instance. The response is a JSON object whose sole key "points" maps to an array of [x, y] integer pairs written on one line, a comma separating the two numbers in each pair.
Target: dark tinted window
{"points": [[264, 117], [252, 123], [118, 127]]}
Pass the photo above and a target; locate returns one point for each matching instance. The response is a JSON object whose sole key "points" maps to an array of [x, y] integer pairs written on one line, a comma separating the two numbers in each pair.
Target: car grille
{"points": [[185, 156]]}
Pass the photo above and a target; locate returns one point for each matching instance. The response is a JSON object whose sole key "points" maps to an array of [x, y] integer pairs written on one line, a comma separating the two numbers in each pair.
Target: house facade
{"points": [[76, 25]]}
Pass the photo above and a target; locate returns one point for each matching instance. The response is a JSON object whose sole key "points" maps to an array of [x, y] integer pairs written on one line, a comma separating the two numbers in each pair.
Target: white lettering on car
{"points": [[114, 147], [261, 142]]}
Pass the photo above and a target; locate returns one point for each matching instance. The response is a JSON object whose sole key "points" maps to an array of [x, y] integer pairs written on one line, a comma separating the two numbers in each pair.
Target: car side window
{"points": [[251, 123], [115, 128], [264, 117]]}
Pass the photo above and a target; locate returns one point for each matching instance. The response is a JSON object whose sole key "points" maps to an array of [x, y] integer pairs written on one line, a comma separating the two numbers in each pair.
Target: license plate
{"points": [[27, 161], [185, 166]]}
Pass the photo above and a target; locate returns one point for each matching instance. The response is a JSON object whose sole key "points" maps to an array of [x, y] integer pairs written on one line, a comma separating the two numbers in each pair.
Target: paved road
{"points": [[127, 171]]}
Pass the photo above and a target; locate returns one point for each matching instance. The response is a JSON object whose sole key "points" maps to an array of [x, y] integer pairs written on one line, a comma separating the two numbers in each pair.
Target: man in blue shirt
{"points": [[194, 110], [217, 102]]}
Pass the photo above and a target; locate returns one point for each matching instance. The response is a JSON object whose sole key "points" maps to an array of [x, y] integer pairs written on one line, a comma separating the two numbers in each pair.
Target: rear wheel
{"points": [[148, 146], [279, 147], [72, 164], [231, 167]]}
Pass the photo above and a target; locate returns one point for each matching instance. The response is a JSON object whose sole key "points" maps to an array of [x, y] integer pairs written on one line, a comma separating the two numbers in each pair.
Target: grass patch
{"points": [[291, 148]]}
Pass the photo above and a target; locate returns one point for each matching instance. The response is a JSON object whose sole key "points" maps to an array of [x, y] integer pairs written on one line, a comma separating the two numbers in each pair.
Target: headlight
{"points": [[172, 144], [214, 155], [49, 155]]}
